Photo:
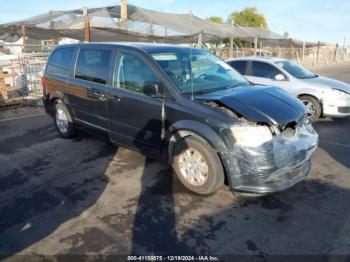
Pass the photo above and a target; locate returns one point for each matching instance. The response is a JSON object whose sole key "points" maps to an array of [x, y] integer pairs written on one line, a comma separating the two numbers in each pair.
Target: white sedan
{"points": [[321, 95]]}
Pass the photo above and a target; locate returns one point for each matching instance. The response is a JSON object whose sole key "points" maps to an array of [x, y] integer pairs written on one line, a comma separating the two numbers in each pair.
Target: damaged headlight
{"points": [[251, 136]]}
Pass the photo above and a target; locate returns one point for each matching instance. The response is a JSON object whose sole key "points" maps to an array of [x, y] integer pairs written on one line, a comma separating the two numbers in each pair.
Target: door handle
{"points": [[115, 98], [100, 95]]}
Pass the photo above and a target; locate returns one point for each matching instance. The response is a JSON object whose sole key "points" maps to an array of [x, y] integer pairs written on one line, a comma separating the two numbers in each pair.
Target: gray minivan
{"points": [[184, 105]]}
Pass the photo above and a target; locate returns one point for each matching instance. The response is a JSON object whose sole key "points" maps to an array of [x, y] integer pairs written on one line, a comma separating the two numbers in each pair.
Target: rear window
{"points": [[239, 66], [92, 65], [60, 61]]}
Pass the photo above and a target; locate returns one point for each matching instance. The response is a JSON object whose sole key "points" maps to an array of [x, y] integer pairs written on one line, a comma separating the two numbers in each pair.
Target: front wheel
{"points": [[198, 166], [313, 106], [63, 121]]}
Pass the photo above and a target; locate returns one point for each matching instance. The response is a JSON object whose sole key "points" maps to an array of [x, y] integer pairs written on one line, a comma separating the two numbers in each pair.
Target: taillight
{"points": [[43, 84]]}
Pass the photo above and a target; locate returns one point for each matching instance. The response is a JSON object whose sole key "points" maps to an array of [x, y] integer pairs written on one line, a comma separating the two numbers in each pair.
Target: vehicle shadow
{"points": [[334, 138], [42, 195], [154, 225]]}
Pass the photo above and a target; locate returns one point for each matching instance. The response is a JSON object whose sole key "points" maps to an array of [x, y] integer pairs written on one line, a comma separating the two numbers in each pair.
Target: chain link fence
{"points": [[20, 74]]}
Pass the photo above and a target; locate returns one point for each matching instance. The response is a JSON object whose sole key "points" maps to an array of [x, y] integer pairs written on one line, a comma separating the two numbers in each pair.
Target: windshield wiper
{"points": [[236, 85], [212, 90], [204, 91]]}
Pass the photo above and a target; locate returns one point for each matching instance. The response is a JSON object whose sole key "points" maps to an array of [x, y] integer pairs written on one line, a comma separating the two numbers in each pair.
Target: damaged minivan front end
{"points": [[266, 159], [269, 150]]}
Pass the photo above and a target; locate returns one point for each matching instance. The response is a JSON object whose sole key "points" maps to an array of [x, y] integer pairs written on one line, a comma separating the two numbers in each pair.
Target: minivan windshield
{"points": [[295, 70], [198, 71]]}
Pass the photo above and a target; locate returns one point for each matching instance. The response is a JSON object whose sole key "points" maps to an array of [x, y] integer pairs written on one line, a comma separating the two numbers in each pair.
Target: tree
{"points": [[286, 35], [249, 16], [215, 19]]}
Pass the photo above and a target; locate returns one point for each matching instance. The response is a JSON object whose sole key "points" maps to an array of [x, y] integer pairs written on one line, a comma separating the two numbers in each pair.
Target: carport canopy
{"points": [[141, 25]]}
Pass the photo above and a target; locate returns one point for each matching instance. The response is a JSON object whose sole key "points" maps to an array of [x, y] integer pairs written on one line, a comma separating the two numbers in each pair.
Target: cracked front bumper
{"points": [[272, 167]]}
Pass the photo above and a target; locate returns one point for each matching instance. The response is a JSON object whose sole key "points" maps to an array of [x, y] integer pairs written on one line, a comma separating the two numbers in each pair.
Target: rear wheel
{"points": [[198, 166], [63, 121], [313, 106]]}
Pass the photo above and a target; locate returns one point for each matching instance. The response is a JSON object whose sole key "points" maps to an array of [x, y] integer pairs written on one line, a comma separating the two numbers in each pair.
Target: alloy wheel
{"points": [[61, 120], [193, 167]]}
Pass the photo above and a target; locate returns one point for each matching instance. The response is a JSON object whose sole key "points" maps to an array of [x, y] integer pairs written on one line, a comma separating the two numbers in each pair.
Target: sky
{"points": [[309, 20]]}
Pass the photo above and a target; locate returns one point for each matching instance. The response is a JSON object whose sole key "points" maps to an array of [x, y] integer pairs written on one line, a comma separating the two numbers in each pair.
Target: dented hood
{"points": [[259, 103]]}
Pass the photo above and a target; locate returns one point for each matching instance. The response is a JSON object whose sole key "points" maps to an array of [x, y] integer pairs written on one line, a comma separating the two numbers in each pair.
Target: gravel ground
{"points": [[85, 196]]}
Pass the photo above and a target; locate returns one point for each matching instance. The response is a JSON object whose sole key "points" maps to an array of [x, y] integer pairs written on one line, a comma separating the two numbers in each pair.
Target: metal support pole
{"points": [[231, 47], [24, 36], [303, 55], [255, 45], [200, 40]]}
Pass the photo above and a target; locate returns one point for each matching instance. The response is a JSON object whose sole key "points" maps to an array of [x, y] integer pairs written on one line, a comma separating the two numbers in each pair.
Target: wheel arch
{"points": [[313, 96], [199, 130]]}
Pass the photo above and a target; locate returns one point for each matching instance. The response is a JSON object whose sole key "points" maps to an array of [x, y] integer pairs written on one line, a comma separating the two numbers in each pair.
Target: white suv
{"points": [[321, 95]]}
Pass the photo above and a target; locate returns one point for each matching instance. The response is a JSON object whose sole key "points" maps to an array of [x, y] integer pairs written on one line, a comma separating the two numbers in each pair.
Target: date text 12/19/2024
{"points": [[173, 258]]}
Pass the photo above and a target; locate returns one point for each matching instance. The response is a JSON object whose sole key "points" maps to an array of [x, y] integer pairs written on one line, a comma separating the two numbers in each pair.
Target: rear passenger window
{"points": [[261, 69], [240, 66], [92, 65], [60, 61], [133, 74]]}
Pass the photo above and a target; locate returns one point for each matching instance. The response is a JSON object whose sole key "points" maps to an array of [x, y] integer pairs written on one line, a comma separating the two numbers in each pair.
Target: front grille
{"points": [[343, 109]]}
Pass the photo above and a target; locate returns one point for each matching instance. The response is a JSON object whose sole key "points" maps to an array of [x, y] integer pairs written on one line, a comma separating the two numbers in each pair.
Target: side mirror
{"points": [[280, 77], [153, 89]]}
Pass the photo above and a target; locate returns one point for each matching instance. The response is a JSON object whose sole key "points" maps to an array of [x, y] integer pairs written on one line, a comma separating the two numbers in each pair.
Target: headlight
{"points": [[340, 93], [251, 136]]}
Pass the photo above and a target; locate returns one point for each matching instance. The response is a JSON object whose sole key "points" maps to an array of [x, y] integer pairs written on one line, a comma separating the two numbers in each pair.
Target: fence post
{"points": [[318, 51], [335, 53], [255, 45], [279, 52], [298, 58], [303, 55], [86, 25], [313, 58]]}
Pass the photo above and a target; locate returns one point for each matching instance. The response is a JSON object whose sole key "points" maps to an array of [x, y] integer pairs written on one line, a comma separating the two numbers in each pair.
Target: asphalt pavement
{"points": [[86, 196]]}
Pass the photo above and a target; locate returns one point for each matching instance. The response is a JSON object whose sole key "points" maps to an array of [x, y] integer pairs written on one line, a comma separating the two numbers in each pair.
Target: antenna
{"points": [[191, 54]]}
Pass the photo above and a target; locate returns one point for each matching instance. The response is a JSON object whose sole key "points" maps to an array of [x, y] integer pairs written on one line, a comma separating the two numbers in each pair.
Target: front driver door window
{"points": [[134, 111]]}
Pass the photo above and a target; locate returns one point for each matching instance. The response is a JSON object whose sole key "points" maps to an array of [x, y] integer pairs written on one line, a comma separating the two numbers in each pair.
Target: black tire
{"points": [[215, 175], [69, 132], [316, 105]]}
